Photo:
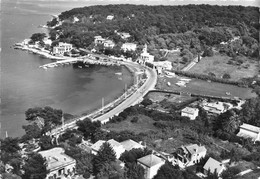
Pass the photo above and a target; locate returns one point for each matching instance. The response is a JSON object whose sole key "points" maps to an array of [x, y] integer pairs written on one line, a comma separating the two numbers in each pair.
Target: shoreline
{"points": [[95, 110]]}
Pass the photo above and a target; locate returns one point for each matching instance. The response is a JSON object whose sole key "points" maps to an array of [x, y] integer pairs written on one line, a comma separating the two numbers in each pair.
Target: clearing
{"points": [[240, 68]]}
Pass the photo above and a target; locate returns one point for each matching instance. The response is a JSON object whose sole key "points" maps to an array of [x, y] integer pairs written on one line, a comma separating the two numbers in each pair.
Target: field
{"points": [[205, 88], [173, 57], [220, 65], [174, 98], [144, 124]]}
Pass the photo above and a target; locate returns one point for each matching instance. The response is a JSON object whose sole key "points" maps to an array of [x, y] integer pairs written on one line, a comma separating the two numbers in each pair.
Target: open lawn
{"points": [[220, 65], [174, 57], [174, 98], [144, 124], [202, 87]]}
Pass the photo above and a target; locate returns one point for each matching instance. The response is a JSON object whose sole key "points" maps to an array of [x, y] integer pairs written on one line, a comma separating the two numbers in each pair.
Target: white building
{"points": [[99, 40], [189, 155], [117, 147], [145, 56], [109, 44], [249, 131], [130, 144], [215, 107], [151, 165], [129, 47], [62, 48], [110, 17], [58, 163], [124, 35], [162, 65], [213, 165], [192, 113]]}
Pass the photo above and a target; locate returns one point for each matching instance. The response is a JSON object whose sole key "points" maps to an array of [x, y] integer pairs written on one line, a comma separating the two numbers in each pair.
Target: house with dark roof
{"points": [[188, 155], [151, 164]]}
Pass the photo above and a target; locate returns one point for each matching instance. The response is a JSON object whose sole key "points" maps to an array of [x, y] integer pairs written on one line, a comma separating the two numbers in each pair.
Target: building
{"points": [[130, 144], [99, 40], [214, 108], [249, 131], [145, 56], [58, 163], [189, 155], [151, 165], [109, 44], [192, 113], [117, 147], [162, 65], [110, 17], [124, 35], [213, 165], [62, 48], [129, 47]]}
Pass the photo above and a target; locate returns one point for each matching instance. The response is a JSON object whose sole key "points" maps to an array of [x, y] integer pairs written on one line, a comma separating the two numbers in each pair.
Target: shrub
{"points": [[135, 119], [226, 76]]}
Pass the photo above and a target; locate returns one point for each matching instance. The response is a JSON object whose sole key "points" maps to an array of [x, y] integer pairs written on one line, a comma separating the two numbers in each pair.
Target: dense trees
{"points": [[35, 167], [88, 128], [38, 37], [41, 120], [104, 163], [163, 27]]}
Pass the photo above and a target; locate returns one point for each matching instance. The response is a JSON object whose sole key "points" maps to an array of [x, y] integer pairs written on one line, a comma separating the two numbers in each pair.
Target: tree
{"points": [[83, 165], [45, 142], [146, 102], [168, 171], [38, 37], [88, 128], [9, 145], [35, 167], [104, 156], [135, 171], [226, 76], [32, 131], [230, 173]]}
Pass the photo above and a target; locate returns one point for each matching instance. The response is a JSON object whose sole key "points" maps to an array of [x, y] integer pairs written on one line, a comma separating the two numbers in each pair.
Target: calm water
{"points": [[24, 85]]}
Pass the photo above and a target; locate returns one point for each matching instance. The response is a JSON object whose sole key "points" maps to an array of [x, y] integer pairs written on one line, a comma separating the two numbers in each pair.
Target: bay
{"points": [[24, 85]]}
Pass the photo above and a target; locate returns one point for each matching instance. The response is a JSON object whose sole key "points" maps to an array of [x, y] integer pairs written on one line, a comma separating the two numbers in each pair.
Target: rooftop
{"points": [[130, 144], [213, 165], [56, 158], [97, 145], [114, 143], [194, 148], [250, 127], [150, 160], [189, 110]]}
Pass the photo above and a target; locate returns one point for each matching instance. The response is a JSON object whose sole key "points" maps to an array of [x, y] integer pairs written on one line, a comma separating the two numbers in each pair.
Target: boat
{"points": [[228, 93]]}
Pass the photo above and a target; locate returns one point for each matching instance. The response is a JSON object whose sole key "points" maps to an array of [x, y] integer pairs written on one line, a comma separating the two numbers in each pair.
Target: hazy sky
{"points": [[158, 2]]}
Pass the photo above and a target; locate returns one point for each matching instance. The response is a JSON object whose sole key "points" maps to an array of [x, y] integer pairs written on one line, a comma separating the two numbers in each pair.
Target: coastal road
{"points": [[135, 98]]}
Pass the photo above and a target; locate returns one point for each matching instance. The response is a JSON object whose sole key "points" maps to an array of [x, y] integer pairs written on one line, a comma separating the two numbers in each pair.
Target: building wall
{"points": [[63, 170]]}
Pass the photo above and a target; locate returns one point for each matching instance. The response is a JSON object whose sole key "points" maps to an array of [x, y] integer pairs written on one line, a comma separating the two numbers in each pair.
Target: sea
{"points": [[24, 85]]}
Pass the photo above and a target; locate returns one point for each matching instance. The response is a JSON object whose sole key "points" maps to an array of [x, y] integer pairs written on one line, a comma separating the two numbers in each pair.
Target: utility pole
{"points": [[125, 90], [102, 105]]}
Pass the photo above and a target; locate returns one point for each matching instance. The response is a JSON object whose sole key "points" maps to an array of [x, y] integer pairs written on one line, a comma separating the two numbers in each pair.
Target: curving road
{"points": [[135, 98]]}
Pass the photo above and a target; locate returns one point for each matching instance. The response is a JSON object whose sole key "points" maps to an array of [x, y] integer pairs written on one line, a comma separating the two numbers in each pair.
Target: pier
{"points": [[85, 60]]}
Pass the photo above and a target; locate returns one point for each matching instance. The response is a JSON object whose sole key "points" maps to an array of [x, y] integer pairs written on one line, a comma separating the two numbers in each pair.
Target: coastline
{"points": [[110, 101]]}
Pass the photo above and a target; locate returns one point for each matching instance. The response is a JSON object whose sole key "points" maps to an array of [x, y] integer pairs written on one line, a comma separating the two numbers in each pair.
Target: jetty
{"points": [[86, 60]]}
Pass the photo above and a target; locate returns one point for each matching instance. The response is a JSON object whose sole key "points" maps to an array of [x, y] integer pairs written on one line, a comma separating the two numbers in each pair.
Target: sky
{"points": [[158, 2]]}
